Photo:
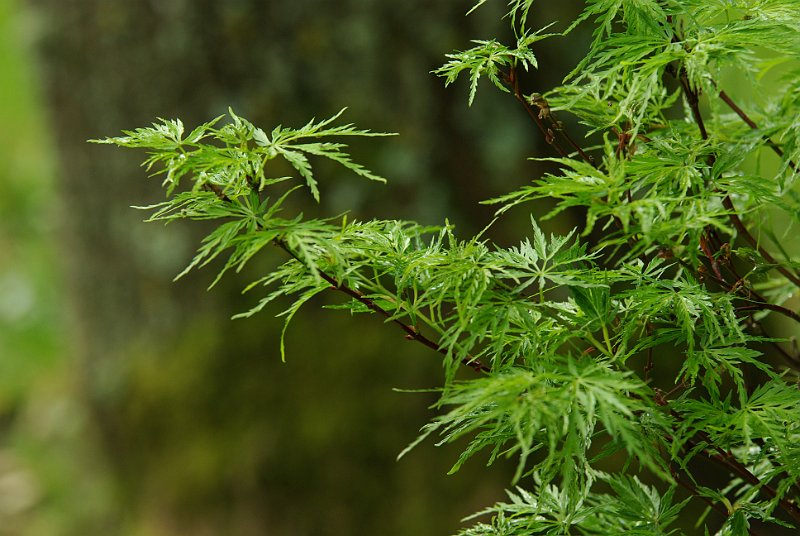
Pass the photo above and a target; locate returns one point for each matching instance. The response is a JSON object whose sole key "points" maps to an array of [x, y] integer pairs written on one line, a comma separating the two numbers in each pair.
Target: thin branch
{"points": [[649, 366], [742, 230], [693, 100], [750, 123], [542, 112], [760, 303], [792, 360], [696, 493], [412, 333], [555, 125], [727, 459], [772, 307], [512, 79]]}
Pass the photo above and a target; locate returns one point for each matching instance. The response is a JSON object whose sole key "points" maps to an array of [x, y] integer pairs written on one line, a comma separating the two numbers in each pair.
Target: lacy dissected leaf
{"points": [[491, 59], [556, 410]]}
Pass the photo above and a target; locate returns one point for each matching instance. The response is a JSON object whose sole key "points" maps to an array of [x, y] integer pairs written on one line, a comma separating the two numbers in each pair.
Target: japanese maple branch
{"points": [[758, 302], [411, 332], [692, 489], [542, 112], [539, 111], [752, 124], [692, 98], [512, 80], [772, 307], [695, 492], [728, 204], [727, 460]]}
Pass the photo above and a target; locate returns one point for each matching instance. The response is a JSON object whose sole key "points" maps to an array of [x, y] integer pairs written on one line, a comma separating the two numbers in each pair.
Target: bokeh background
{"points": [[130, 404]]}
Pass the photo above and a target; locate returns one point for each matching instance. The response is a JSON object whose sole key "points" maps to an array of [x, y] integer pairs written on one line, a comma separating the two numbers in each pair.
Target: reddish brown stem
{"points": [[752, 124], [412, 333], [727, 459], [693, 100], [542, 112], [513, 81], [772, 307], [733, 106], [742, 230]]}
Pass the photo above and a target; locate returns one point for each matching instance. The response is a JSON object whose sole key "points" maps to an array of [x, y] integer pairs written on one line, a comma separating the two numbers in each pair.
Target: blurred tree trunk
{"points": [[206, 432]]}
